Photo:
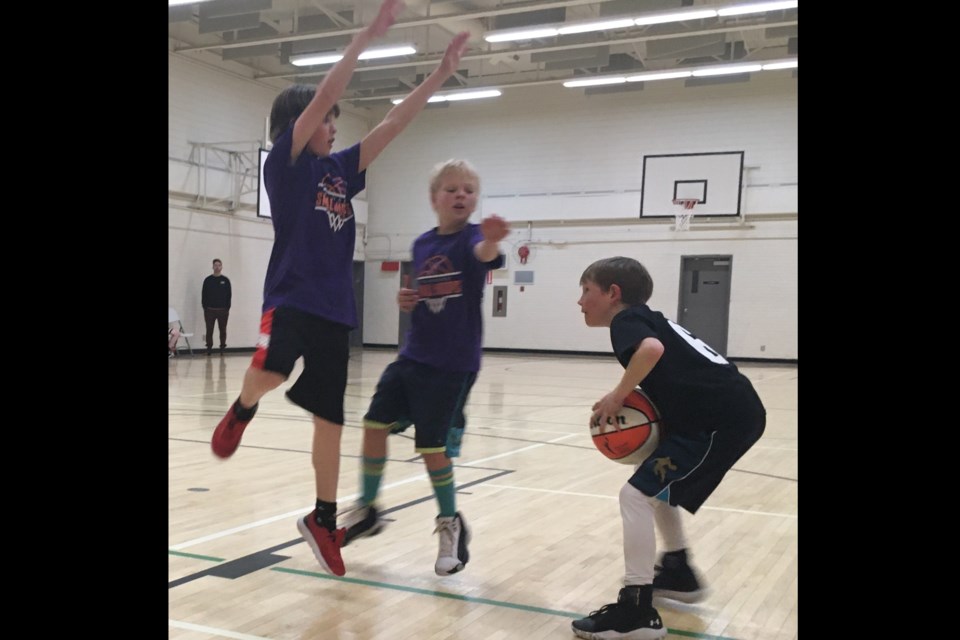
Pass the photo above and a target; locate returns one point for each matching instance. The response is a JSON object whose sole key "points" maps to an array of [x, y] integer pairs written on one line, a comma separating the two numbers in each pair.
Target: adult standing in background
{"points": [[215, 300]]}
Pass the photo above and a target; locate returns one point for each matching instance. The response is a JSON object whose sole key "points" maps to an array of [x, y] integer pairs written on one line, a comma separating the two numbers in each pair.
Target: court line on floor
{"points": [[189, 626], [471, 599], [515, 451], [599, 495], [345, 499], [417, 590], [290, 514]]}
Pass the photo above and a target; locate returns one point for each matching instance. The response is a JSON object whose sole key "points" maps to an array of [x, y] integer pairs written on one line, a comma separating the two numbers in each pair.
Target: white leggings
{"points": [[639, 514]]}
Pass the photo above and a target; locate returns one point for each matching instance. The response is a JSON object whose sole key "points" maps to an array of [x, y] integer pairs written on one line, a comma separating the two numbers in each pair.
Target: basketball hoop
{"points": [[435, 304], [683, 215]]}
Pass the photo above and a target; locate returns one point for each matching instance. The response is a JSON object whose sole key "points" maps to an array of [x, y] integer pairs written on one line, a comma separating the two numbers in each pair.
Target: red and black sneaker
{"points": [[324, 543], [226, 437]]}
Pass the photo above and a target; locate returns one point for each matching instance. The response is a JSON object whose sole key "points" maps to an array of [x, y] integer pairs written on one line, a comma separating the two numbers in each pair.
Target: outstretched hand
{"points": [[387, 15], [494, 228], [451, 58]]}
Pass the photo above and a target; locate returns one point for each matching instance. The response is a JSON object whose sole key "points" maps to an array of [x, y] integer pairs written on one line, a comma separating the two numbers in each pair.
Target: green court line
{"points": [[454, 596], [194, 555], [442, 594]]}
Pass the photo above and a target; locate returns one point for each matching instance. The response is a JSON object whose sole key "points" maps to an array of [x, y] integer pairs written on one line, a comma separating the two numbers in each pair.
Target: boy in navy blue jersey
{"points": [[308, 298], [428, 384], [711, 417]]}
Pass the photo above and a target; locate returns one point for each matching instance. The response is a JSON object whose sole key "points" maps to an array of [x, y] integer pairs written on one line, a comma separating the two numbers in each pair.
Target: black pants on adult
{"points": [[210, 315]]}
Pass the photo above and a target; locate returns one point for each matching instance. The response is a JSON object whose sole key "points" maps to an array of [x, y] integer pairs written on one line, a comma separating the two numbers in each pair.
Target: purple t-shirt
{"points": [[311, 266], [446, 330]]}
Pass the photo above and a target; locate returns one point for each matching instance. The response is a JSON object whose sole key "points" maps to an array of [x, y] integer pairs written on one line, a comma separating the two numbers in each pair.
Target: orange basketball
{"points": [[636, 434]]}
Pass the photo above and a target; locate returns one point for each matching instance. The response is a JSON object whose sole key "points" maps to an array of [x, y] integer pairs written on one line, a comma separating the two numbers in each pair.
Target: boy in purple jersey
{"points": [[428, 384], [711, 416], [308, 299]]}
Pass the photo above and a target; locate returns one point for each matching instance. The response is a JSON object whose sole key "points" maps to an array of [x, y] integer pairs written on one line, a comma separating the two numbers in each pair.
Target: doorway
{"points": [[356, 336], [406, 270], [704, 307]]}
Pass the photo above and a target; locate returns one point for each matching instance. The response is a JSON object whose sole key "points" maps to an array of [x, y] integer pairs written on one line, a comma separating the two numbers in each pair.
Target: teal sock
{"points": [[446, 491], [372, 474]]}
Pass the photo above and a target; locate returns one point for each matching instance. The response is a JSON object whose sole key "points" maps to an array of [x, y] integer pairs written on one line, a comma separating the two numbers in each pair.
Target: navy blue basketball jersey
{"points": [[693, 386]]}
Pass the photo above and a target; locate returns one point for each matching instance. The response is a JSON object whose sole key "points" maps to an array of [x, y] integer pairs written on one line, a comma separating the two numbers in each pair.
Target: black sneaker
{"points": [[363, 520], [675, 579], [631, 617]]}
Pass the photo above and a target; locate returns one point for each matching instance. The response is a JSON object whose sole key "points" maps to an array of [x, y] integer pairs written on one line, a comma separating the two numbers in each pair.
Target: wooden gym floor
{"points": [[540, 499]]}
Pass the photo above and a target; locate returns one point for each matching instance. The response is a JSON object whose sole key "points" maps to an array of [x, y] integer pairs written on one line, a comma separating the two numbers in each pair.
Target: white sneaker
{"points": [[454, 538]]}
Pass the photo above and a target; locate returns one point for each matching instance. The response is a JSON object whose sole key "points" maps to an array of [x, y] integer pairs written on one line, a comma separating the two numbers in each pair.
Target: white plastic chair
{"points": [[173, 320]]}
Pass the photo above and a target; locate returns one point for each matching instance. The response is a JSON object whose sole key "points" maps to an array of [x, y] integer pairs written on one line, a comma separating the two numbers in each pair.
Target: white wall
{"points": [[549, 141], [558, 141]]}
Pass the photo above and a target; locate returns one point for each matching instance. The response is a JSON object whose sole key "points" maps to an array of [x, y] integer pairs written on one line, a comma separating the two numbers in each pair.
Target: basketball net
{"points": [[684, 213], [435, 304]]}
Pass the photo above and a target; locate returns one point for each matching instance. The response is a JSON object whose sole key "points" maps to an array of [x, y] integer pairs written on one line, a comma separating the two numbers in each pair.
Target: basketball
{"points": [[636, 434]]}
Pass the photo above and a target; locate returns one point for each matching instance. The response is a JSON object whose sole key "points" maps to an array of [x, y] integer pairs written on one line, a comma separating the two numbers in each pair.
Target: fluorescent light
{"points": [[595, 26], [177, 3], [387, 52], [329, 57], [757, 7], [788, 64], [529, 33], [716, 70], [674, 17], [460, 95], [524, 34], [593, 82], [727, 69], [655, 75], [471, 95], [305, 60]]}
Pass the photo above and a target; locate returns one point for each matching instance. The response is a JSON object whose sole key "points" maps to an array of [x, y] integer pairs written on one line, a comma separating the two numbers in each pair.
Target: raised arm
{"points": [[335, 81], [403, 114]]}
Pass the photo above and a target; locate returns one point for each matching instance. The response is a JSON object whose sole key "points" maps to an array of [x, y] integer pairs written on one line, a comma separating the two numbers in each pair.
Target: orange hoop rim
{"points": [[687, 203]]}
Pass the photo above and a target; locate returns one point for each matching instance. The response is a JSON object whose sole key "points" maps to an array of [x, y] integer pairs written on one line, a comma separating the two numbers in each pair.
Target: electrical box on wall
{"points": [[523, 277], [499, 302]]}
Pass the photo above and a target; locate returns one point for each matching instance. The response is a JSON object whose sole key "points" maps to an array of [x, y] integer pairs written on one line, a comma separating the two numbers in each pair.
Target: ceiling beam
{"points": [[513, 8], [491, 54]]}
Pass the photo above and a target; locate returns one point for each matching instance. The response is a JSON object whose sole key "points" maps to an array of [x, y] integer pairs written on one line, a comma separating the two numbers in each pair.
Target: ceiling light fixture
{"points": [[789, 64], [329, 57], [309, 59], [177, 3], [387, 52], [715, 70], [658, 75], [724, 70], [460, 95], [756, 7], [594, 82], [562, 29]]}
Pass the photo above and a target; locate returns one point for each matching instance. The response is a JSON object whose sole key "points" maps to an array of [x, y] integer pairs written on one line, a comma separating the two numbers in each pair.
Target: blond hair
{"points": [[449, 166]]}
